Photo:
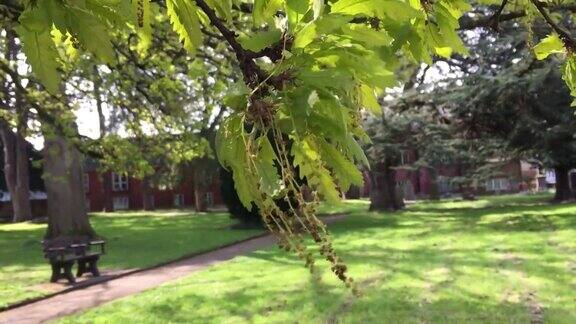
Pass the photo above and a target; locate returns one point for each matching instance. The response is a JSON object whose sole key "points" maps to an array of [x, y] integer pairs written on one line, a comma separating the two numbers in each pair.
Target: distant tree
{"points": [[12, 133], [530, 110]]}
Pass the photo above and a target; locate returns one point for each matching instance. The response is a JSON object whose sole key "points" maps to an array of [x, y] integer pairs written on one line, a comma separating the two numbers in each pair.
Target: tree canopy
{"points": [[309, 68]]}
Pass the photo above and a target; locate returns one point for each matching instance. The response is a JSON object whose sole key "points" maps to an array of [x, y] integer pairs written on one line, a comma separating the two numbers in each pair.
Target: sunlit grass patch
{"points": [[437, 262], [134, 240]]}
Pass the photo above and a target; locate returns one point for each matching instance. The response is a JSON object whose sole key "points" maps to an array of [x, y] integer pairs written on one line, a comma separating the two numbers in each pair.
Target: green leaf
{"points": [[143, 20], [269, 179], [306, 159], [245, 188], [344, 170], [264, 10], [237, 97], [369, 100], [551, 44], [569, 76], [42, 55], [393, 9], [356, 151], [326, 186], [91, 33], [184, 18], [368, 36], [296, 10], [305, 36], [260, 40], [223, 8]]}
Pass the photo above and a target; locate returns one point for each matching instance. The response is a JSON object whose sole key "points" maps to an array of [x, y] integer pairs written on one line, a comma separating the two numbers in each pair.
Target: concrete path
{"points": [[83, 299]]}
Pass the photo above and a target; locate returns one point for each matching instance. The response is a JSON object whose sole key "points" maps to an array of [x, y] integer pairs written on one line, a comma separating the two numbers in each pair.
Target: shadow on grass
{"points": [[434, 265]]}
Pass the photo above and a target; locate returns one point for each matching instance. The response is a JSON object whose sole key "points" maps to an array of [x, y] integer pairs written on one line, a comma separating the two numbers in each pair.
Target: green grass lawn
{"points": [[495, 260], [134, 240]]}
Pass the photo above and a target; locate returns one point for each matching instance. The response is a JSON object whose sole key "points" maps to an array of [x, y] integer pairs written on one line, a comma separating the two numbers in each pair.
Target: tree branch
{"points": [[252, 73], [467, 22], [563, 34], [495, 19]]}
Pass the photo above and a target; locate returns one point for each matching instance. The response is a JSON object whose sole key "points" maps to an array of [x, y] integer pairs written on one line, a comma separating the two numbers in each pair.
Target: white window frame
{"points": [[445, 184], [119, 182], [498, 184], [404, 157], [121, 203], [209, 198], [178, 200]]}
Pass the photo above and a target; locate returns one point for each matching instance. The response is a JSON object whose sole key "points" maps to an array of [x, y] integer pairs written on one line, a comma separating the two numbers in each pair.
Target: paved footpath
{"points": [[92, 296]]}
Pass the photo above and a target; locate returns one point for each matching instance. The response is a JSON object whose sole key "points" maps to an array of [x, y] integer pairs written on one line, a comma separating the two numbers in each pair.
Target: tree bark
{"points": [[16, 164], [384, 194], [199, 199], [21, 197], [434, 190], [147, 199], [563, 190], [107, 191], [202, 172], [16, 173], [199, 190], [98, 97], [63, 178]]}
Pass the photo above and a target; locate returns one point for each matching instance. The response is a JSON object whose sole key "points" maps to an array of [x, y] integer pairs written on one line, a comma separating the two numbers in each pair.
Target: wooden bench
{"points": [[63, 256]]}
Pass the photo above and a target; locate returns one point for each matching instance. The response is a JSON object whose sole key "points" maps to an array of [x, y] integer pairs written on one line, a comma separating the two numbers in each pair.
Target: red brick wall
{"points": [[162, 198], [38, 208]]}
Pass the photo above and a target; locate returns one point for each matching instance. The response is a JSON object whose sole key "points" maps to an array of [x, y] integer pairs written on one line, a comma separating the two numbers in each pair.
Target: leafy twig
{"points": [[565, 36], [495, 19]]}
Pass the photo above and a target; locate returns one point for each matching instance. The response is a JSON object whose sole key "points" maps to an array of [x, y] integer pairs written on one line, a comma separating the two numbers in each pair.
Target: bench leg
{"points": [[81, 268], [68, 272], [62, 270], [93, 264], [56, 273]]}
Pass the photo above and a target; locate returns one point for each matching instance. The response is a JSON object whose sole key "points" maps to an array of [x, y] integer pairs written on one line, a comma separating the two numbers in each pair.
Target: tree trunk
{"points": [[21, 196], [434, 189], [11, 173], [199, 194], [147, 198], [563, 191], [16, 168], [107, 191], [16, 173], [63, 178], [98, 96], [384, 194]]}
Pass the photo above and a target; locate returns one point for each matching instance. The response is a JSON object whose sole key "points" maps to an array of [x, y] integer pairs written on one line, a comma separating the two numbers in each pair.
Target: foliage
{"points": [[309, 86], [249, 218], [135, 240], [532, 113], [497, 259]]}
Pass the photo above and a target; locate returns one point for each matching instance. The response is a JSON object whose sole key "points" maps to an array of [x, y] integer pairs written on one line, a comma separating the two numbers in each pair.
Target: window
{"points": [[404, 157], [119, 182], [498, 184], [209, 199], [445, 184], [86, 181], [121, 203], [178, 200]]}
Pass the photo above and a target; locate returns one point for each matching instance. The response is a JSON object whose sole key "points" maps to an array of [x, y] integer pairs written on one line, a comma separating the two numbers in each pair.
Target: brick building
{"points": [[126, 192], [512, 176]]}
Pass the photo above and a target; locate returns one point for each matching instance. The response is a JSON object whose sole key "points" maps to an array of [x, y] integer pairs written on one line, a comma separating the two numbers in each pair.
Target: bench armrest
{"points": [[102, 245], [54, 249]]}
